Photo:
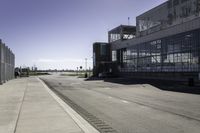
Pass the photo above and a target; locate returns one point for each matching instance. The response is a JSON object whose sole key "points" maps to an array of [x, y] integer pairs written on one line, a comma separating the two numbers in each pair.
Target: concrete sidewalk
{"points": [[28, 106]]}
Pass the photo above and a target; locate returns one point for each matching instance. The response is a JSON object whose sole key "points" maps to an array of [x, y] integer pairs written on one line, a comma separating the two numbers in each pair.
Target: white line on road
{"points": [[75, 84], [124, 101]]}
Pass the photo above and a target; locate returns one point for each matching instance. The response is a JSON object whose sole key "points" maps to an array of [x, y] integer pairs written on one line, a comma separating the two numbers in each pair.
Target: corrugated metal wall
{"points": [[7, 63]]}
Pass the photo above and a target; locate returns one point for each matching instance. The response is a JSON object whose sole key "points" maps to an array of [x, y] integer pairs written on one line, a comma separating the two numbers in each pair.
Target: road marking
{"points": [[82, 123], [110, 97], [75, 84], [124, 101], [107, 88]]}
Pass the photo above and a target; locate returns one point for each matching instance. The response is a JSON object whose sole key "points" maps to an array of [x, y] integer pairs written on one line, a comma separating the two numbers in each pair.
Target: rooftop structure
{"points": [[122, 32]]}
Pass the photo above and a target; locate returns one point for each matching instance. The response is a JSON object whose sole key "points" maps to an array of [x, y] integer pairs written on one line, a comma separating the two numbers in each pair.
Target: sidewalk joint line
{"points": [[20, 109]]}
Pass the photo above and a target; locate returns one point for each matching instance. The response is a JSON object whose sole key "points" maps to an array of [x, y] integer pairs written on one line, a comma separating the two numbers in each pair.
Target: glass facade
{"points": [[114, 55], [103, 49], [177, 53]]}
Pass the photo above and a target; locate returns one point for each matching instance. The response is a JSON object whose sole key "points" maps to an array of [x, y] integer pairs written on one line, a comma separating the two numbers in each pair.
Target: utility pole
{"points": [[85, 64], [89, 72], [77, 71], [85, 67]]}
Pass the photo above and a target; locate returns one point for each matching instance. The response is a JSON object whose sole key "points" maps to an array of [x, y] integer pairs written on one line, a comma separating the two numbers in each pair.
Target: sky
{"points": [[58, 34]]}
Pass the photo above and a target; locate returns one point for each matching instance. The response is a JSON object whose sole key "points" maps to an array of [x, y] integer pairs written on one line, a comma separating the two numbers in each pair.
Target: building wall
{"points": [[166, 45], [101, 57], [165, 49], [168, 14], [178, 53], [7, 63], [151, 19], [173, 30]]}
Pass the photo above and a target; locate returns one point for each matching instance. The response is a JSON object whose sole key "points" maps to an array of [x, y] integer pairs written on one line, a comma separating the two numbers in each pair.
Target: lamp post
{"points": [[85, 64], [85, 67], [89, 71], [77, 71], [93, 64]]}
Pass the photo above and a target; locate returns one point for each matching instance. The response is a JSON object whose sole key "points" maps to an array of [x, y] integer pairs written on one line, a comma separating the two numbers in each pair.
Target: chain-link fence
{"points": [[7, 63]]}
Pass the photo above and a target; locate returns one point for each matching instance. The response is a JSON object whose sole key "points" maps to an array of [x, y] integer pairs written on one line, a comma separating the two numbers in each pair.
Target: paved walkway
{"points": [[28, 106]]}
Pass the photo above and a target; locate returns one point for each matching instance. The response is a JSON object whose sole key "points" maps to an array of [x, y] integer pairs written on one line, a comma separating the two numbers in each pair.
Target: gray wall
{"points": [[7, 63], [176, 29], [167, 15]]}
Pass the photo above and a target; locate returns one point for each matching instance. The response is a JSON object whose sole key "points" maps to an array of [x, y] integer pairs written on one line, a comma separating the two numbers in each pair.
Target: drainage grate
{"points": [[100, 125]]}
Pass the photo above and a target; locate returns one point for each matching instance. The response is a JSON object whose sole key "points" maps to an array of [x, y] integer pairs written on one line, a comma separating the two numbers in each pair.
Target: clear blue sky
{"points": [[59, 33]]}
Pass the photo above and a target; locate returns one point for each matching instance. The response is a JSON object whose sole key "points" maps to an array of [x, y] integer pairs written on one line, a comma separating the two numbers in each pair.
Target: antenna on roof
{"points": [[128, 20]]}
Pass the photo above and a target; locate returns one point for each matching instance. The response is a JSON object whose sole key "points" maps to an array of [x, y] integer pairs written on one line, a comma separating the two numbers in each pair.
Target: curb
{"points": [[80, 121]]}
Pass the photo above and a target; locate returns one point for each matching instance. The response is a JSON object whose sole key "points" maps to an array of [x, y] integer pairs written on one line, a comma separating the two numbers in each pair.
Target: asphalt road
{"points": [[139, 108]]}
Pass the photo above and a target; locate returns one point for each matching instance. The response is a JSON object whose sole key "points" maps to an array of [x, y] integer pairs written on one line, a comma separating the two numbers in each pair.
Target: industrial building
{"points": [[164, 44], [101, 58], [7, 60]]}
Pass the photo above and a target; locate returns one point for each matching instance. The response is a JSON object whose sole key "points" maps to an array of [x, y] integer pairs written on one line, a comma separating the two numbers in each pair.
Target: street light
{"points": [[86, 64], [77, 71], [86, 67]]}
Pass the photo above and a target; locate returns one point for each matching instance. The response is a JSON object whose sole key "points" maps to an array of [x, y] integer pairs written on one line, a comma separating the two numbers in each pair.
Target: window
{"points": [[103, 49], [169, 4], [114, 55], [182, 1], [175, 2], [174, 53]]}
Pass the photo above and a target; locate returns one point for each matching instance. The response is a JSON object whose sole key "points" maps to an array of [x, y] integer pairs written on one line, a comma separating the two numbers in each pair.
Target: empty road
{"points": [[137, 108]]}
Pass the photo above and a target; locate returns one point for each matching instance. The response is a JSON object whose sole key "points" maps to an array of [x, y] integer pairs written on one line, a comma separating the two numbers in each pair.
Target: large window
{"points": [[179, 53]]}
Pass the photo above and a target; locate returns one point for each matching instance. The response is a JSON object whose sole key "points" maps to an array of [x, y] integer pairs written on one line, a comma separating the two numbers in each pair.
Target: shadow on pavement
{"points": [[166, 85]]}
